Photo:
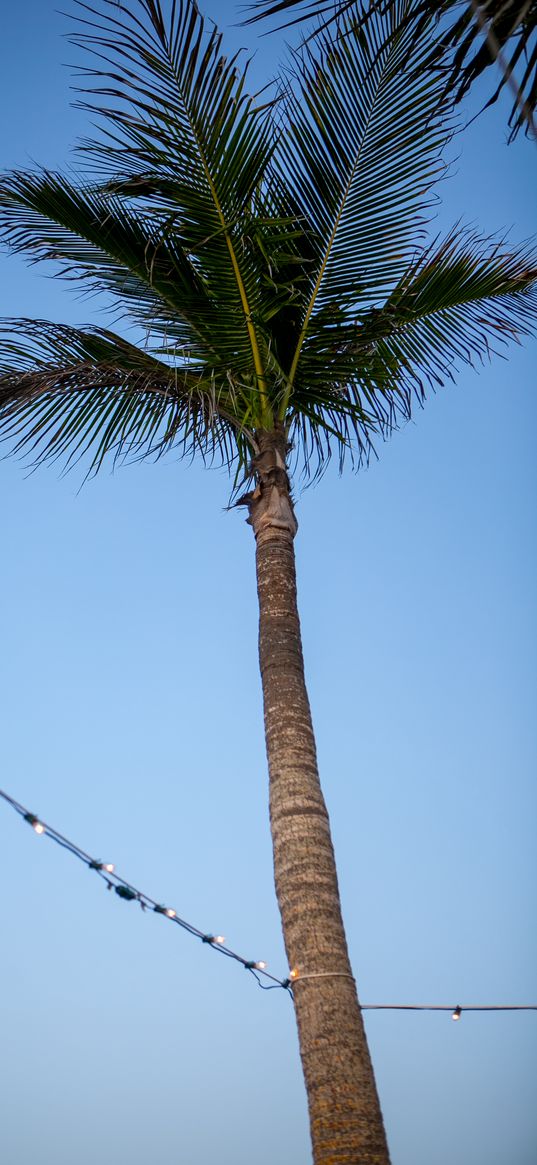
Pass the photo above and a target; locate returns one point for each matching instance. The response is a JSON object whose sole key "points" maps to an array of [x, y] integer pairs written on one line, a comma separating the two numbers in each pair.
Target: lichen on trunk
{"points": [[345, 1116]]}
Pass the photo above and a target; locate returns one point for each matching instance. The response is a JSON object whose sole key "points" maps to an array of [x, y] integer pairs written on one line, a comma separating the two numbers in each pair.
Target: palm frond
{"points": [[97, 239], [460, 302], [299, 10], [175, 108], [470, 38], [476, 40], [365, 203], [72, 394]]}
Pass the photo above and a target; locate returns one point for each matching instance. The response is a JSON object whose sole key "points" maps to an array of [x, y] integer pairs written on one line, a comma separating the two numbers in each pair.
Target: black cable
{"points": [[446, 1007]]}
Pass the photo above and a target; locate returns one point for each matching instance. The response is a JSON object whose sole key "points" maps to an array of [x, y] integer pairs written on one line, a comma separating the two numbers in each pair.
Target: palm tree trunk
{"points": [[345, 1117]]}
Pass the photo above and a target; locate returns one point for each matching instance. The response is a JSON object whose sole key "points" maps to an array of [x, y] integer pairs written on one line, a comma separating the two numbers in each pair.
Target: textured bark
{"points": [[345, 1117]]}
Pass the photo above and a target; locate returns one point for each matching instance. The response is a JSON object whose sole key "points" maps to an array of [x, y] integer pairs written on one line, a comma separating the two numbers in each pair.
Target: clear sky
{"points": [[131, 711]]}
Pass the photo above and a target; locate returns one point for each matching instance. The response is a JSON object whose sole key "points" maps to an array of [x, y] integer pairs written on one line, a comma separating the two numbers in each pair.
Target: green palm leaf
{"points": [[460, 302], [65, 392], [364, 200], [97, 239], [179, 112]]}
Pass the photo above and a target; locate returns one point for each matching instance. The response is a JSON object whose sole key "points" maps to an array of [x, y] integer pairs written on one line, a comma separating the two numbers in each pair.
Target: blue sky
{"points": [[131, 712]]}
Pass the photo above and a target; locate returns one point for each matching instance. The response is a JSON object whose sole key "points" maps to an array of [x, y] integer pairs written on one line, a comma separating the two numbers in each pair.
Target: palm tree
{"points": [[272, 259], [472, 36]]}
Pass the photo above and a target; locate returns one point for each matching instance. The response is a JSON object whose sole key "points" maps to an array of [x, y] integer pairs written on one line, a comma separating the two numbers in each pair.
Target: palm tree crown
{"points": [[271, 254]]}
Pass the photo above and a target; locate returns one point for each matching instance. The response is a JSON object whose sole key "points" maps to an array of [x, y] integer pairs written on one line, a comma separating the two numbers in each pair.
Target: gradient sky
{"points": [[131, 711]]}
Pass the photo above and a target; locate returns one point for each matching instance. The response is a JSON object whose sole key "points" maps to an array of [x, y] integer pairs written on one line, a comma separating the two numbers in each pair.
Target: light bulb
{"points": [[294, 973], [219, 938], [110, 867], [457, 1013], [260, 966], [34, 822], [170, 913]]}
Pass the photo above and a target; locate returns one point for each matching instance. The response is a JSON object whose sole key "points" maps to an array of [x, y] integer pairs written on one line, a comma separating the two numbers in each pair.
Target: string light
{"points": [[165, 910], [34, 821], [109, 867], [129, 894]]}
